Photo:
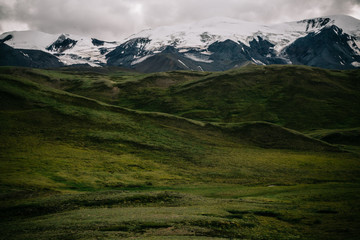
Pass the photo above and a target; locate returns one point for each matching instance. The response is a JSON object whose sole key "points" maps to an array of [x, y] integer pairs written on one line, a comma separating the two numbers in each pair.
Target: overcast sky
{"points": [[117, 19]]}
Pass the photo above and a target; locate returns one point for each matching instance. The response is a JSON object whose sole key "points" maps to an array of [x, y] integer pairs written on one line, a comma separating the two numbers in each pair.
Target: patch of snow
{"points": [[204, 59], [257, 62], [356, 64], [183, 63], [206, 53], [26, 55], [139, 60], [183, 50]]}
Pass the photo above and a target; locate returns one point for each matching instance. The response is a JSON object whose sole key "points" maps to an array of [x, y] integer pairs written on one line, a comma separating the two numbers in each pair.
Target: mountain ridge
{"points": [[214, 44]]}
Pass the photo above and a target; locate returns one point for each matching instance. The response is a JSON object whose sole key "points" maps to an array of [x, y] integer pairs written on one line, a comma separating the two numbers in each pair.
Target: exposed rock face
{"points": [[329, 48], [61, 44]]}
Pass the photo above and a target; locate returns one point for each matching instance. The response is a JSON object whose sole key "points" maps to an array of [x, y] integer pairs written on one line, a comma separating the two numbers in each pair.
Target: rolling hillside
{"points": [[106, 153], [296, 97]]}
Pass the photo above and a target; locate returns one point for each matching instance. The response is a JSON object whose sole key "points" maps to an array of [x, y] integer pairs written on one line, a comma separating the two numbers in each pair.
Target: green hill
{"points": [[86, 167], [296, 97]]}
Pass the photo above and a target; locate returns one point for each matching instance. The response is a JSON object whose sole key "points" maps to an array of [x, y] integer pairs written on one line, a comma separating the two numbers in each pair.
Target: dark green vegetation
{"points": [[77, 164], [296, 97]]}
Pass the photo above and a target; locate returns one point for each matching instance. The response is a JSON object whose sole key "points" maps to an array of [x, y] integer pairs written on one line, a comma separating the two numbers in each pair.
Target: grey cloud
{"points": [[2, 12], [77, 17], [115, 19], [5, 11]]}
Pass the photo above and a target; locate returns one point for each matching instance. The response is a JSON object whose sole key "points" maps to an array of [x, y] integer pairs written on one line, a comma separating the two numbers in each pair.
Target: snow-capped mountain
{"points": [[69, 49], [223, 43], [211, 45], [203, 33]]}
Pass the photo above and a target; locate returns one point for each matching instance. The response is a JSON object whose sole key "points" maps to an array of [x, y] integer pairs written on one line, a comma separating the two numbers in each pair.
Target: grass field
{"points": [[82, 159]]}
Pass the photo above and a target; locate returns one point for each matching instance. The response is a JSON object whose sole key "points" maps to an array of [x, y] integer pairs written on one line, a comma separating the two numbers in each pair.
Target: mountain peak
{"points": [[348, 24]]}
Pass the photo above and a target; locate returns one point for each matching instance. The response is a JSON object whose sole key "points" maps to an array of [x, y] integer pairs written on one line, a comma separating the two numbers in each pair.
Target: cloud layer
{"points": [[117, 19]]}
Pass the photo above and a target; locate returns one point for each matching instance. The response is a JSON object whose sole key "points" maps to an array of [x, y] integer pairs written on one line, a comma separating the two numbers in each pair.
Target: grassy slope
{"points": [[219, 182], [297, 97]]}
